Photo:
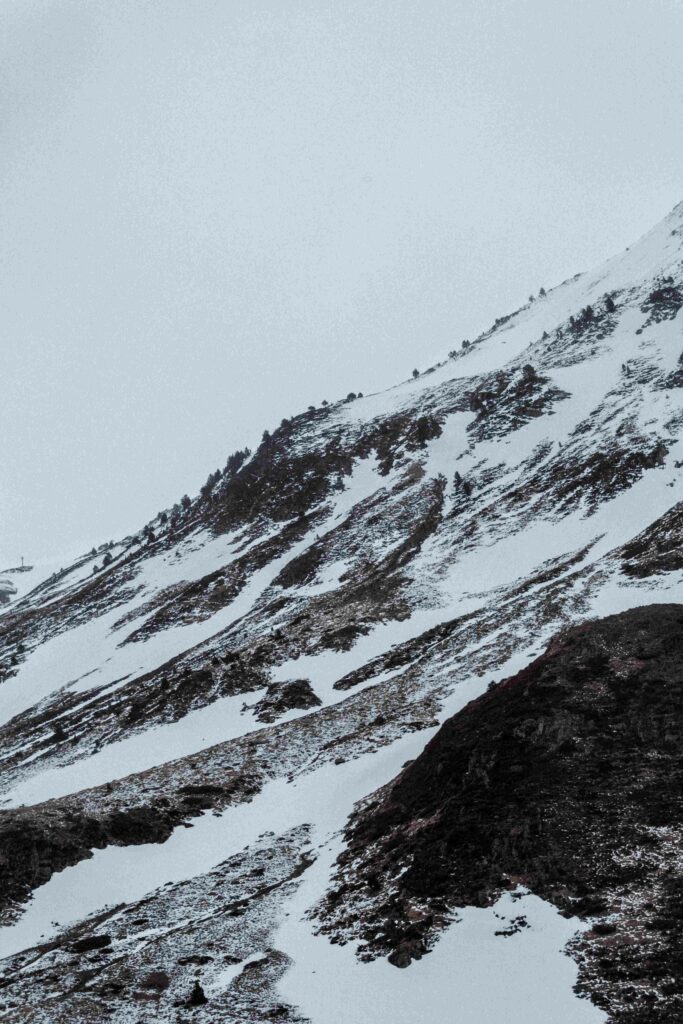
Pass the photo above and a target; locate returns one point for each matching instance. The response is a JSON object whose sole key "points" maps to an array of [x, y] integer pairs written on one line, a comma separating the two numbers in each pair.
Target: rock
{"points": [[400, 957], [604, 928], [544, 779], [405, 953], [158, 980], [282, 697], [91, 942]]}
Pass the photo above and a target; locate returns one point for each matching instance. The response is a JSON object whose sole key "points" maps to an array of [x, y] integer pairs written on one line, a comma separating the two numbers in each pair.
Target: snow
{"points": [[123, 874], [445, 451], [197, 730], [87, 657], [90, 654], [503, 560], [224, 978], [472, 976], [327, 579], [470, 578], [41, 571], [656, 254], [619, 595]]}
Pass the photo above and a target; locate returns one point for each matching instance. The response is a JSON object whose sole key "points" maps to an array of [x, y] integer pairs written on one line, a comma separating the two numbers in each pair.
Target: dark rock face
{"points": [[657, 549], [566, 778], [37, 841], [505, 401], [282, 697], [91, 942]]}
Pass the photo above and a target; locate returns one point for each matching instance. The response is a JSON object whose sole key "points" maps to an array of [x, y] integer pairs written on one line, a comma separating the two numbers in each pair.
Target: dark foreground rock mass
{"points": [[566, 779]]}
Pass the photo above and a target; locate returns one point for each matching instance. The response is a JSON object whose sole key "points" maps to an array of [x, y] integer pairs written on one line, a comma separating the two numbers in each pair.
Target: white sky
{"points": [[215, 212]]}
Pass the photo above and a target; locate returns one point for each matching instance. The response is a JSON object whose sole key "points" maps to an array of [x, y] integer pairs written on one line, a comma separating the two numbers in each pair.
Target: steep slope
{"points": [[565, 779], [325, 603]]}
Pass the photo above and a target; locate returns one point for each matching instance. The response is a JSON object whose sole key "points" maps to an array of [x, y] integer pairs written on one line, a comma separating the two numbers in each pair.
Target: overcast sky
{"points": [[214, 213]]}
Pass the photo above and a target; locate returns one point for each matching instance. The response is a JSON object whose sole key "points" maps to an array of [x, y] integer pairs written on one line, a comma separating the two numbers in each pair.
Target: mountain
{"points": [[205, 807]]}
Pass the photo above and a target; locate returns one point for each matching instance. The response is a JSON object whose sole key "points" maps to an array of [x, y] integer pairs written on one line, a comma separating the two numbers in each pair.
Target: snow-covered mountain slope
{"points": [[211, 697]]}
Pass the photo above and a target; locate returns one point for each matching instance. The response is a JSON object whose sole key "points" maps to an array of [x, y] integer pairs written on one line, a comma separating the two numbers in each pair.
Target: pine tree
{"points": [[197, 996], [58, 734]]}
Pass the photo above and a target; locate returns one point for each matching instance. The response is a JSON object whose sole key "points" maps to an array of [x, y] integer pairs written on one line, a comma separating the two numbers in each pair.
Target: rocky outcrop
{"points": [[567, 779], [292, 695], [36, 842], [658, 549]]}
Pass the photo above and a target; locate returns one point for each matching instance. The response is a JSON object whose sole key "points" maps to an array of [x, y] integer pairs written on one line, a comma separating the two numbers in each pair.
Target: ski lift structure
{"points": [[18, 568]]}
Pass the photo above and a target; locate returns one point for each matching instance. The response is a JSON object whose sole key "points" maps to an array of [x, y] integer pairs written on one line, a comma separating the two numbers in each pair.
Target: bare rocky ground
{"points": [[565, 779]]}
